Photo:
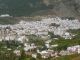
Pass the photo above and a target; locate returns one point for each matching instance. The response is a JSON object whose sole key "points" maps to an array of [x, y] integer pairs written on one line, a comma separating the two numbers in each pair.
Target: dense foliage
{"points": [[7, 48]]}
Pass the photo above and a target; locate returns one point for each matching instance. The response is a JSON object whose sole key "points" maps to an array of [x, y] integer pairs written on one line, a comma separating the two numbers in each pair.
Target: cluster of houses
{"points": [[39, 28], [57, 26], [49, 53]]}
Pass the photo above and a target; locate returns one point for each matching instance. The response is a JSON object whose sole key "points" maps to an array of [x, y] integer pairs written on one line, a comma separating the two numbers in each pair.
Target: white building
{"points": [[5, 15], [74, 49]]}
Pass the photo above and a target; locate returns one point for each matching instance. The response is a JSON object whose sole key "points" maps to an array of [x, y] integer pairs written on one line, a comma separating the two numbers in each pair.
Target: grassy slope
{"points": [[70, 57], [8, 21]]}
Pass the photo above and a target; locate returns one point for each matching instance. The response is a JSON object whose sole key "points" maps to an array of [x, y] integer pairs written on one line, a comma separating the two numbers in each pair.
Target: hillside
{"points": [[20, 7], [63, 8]]}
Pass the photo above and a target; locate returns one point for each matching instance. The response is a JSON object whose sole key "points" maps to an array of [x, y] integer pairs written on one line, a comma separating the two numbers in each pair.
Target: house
{"points": [[67, 35], [29, 47], [64, 52], [5, 15], [74, 49], [47, 53], [17, 52], [34, 55]]}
